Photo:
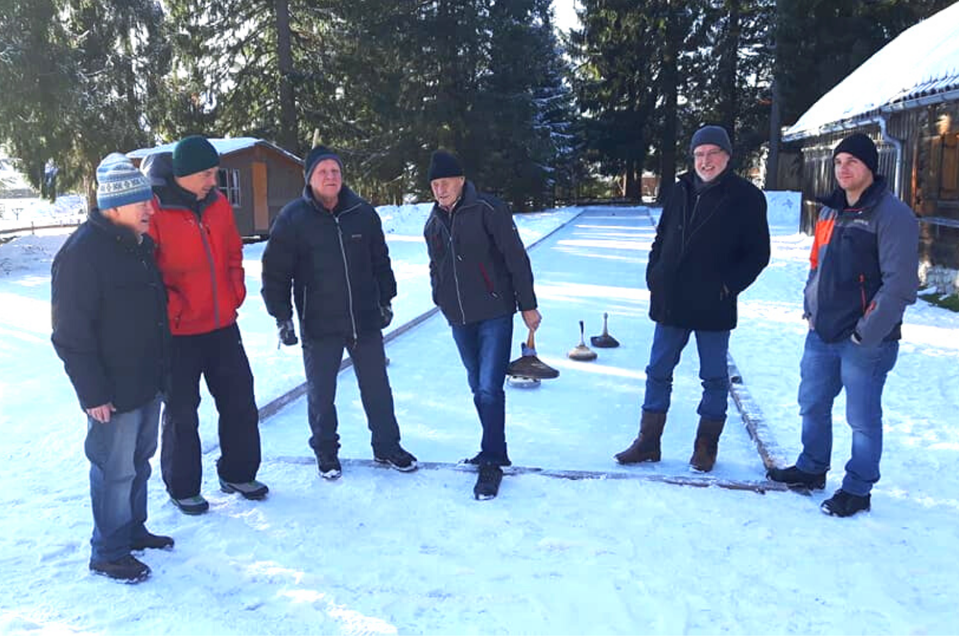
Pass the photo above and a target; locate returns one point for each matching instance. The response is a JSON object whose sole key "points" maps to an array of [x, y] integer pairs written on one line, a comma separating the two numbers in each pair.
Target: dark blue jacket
{"points": [[478, 265], [337, 263], [864, 266], [109, 315]]}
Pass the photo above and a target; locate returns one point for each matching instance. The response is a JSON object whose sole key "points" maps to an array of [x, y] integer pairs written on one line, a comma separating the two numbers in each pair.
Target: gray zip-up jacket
{"points": [[864, 267]]}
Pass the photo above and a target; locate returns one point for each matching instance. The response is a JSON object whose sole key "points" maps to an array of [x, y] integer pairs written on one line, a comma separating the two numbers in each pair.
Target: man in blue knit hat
{"points": [[110, 329]]}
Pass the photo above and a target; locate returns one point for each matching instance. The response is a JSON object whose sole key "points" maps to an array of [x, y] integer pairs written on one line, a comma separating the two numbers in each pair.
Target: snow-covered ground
{"points": [[379, 552]]}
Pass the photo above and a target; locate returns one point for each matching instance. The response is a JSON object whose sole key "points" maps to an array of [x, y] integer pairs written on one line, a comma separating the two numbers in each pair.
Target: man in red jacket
{"points": [[200, 254]]}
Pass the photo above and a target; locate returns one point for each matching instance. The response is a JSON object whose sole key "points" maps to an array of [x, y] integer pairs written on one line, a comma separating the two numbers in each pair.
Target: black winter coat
{"points": [[478, 265], [705, 242], [109, 316], [337, 262]]}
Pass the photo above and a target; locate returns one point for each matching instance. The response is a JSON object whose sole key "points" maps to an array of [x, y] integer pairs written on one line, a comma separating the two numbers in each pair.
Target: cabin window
{"points": [[228, 181]]}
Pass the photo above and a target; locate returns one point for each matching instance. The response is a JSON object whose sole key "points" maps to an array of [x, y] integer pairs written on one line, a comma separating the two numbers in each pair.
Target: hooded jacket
{"points": [[199, 253], [710, 245], [864, 266], [478, 265], [337, 262], [109, 316]]}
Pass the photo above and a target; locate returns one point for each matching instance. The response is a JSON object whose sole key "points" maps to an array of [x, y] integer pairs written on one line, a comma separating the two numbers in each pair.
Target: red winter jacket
{"points": [[200, 255]]}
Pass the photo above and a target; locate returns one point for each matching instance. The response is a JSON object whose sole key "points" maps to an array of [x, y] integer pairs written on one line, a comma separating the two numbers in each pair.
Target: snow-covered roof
{"points": [[223, 146], [921, 62]]}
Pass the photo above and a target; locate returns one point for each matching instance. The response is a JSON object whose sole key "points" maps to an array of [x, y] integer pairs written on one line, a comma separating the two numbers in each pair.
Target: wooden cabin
{"points": [[906, 97], [257, 177]]}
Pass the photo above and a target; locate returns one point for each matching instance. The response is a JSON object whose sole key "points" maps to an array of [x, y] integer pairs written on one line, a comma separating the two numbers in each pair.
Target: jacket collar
{"points": [[117, 233], [836, 200], [346, 200]]}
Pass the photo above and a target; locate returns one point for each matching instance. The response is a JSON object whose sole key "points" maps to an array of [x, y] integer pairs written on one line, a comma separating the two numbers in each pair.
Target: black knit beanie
{"points": [[194, 154], [442, 165], [862, 148], [318, 154], [715, 135]]}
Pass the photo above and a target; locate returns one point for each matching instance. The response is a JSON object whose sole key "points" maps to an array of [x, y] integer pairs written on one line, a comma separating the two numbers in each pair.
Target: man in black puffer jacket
{"points": [[712, 241], [328, 245], [110, 329], [480, 274]]}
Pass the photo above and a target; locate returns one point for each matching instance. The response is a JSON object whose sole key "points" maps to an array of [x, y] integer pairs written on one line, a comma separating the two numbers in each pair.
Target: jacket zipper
{"points": [[456, 257], [346, 268], [862, 291], [209, 258]]}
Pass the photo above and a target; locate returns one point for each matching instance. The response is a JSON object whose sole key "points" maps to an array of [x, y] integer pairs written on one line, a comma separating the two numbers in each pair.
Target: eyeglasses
{"points": [[707, 155]]}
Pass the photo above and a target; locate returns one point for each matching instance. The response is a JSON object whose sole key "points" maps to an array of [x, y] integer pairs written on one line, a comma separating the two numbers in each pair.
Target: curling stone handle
{"points": [[530, 342], [582, 331], [605, 319]]}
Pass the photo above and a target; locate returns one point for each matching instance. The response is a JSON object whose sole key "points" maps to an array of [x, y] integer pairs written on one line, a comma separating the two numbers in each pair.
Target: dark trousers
{"points": [[321, 362], [119, 452], [484, 348], [219, 357]]}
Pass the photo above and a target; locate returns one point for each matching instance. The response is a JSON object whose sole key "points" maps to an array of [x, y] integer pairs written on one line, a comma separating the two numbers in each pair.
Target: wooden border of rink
{"points": [[694, 481], [275, 405], [753, 418]]}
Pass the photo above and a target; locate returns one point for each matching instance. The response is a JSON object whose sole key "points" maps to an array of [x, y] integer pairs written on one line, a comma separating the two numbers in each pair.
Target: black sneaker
{"points": [[248, 489], [487, 484], [152, 541], [328, 465], [479, 459], [795, 478], [195, 505], [845, 504], [127, 569], [398, 459]]}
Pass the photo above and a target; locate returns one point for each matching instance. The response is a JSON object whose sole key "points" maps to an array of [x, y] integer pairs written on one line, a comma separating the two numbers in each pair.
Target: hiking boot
{"points": [[845, 504], [328, 464], [706, 446], [127, 569], [479, 459], [645, 448], [487, 484], [795, 478], [151, 541], [195, 505], [248, 489], [397, 459]]}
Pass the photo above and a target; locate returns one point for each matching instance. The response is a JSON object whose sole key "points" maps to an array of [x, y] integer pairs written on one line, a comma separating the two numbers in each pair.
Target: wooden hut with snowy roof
{"points": [[257, 177], [906, 97]]}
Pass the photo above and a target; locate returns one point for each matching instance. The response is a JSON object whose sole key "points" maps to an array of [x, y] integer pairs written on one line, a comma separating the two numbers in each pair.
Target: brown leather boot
{"points": [[707, 444], [645, 448]]}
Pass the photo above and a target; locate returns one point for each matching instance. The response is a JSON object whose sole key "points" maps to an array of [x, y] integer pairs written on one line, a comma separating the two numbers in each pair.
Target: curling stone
{"points": [[604, 341], [581, 352], [527, 371]]}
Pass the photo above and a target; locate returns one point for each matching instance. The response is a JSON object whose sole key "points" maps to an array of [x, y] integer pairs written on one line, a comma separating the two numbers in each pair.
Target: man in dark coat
{"points": [[328, 246], [480, 274], [711, 243], [864, 272], [110, 329]]}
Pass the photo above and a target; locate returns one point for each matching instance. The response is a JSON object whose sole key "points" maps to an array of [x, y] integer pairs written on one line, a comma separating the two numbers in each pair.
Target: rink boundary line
{"points": [[275, 405], [694, 481]]}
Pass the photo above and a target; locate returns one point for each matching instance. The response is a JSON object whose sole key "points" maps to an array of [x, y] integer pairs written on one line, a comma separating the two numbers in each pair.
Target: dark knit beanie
{"points": [[194, 154], [442, 165], [862, 148], [715, 135], [318, 154]]}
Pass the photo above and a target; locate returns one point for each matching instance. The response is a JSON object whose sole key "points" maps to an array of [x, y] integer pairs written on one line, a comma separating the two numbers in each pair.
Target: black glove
{"points": [[286, 331], [386, 315]]}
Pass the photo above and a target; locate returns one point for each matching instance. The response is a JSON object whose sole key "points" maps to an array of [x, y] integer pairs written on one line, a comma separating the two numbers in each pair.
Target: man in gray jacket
{"points": [[863, 274]]}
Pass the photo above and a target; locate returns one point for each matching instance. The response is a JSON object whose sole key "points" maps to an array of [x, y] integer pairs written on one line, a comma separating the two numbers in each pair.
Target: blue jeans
{"points": [[668, 344], [119, 452], [484, 347], [826, 369]]}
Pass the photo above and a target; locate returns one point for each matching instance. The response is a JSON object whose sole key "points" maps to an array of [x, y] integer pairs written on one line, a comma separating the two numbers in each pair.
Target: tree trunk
{"points": [[288, 130], [728, 69], [775, 114], [670, 75]]}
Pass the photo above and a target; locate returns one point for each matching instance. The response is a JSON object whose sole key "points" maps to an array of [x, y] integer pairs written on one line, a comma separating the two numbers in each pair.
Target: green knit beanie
{"points": [[194, 154]]}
